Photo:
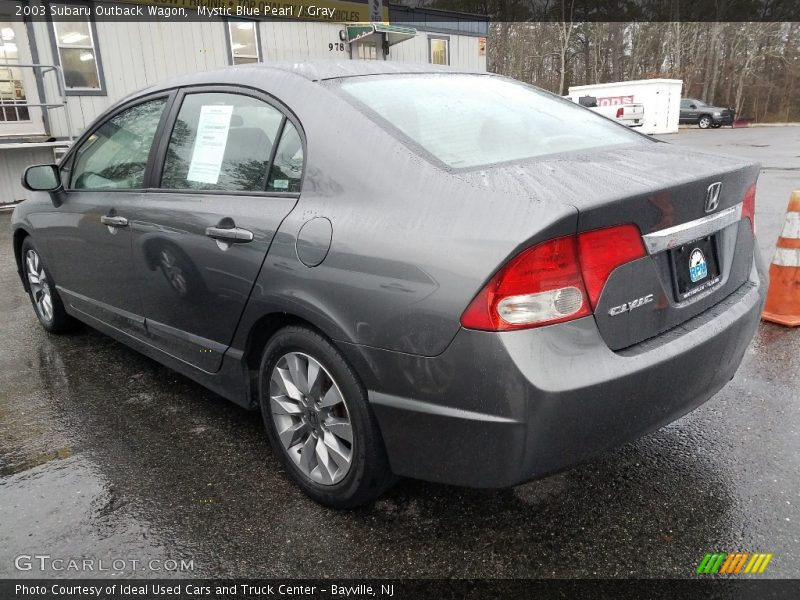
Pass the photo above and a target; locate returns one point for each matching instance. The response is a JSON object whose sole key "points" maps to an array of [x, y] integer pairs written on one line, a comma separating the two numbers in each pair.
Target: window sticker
{"points": [[281, 184], [209, 146]]}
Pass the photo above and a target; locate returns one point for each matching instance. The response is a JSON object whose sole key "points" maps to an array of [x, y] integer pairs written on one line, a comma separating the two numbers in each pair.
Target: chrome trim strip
{"points": [[672, 237]]}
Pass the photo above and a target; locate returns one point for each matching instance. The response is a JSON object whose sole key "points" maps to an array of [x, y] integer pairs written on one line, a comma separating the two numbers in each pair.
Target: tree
{"points": [[754, 67]]}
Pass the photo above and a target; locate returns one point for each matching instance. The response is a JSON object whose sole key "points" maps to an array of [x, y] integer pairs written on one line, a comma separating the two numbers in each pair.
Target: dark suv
{"points": [[696, 111]]}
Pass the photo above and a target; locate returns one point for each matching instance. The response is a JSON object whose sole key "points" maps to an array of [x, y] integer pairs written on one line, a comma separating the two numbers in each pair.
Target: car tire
{"points": [[42, 291], [319, 422], [704, 122]]}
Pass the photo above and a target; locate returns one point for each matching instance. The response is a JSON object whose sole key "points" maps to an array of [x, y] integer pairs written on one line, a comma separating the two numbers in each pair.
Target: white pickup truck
{"points": [[630, 114]]}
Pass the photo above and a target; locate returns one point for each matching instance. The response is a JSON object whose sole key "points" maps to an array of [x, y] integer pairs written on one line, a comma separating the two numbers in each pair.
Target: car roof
{"points": [[260, 75], [307, 70], [319, 70]]}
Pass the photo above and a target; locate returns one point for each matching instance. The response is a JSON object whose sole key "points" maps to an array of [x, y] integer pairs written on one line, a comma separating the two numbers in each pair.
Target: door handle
{"points": [[230, 235], [114, 221]]}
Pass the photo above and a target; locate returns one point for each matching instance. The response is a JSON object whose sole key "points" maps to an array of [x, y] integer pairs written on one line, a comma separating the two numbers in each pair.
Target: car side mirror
{"points": [[693, 106], [42, 178]]}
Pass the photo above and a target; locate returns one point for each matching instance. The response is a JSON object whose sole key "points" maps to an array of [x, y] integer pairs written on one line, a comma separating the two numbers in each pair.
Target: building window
{"points": [[367, 50], [439, 50], [12, 92], [77, 54], [243, 40]]}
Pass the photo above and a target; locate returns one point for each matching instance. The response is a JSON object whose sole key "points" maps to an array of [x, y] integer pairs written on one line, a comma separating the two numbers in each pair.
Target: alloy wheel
{"points": [[311, 418], [704, 122], [39, 285]]}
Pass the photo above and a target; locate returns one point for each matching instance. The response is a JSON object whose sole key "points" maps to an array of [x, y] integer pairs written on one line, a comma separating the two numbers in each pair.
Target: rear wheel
{"points": [[318, 420], [42, 291], [704, 122]]}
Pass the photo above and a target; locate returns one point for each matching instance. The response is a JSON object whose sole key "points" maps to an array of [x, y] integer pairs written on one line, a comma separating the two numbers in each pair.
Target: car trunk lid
{"points": [[694, 257]]}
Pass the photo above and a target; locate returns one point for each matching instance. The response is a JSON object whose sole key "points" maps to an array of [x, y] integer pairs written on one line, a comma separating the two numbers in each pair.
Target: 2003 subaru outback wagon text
{"points": [[410, 270]]}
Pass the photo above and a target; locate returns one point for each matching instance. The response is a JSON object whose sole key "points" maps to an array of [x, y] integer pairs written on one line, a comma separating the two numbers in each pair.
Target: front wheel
{"points": [[319, 422], [704, 122], [42, 291]]}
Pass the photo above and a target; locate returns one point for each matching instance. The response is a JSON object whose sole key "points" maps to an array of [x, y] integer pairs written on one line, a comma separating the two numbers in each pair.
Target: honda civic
{"points": [[410, 270]]}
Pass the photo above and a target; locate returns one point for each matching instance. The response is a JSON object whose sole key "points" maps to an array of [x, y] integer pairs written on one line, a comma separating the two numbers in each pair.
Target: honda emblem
{"points": [[712, 196]]}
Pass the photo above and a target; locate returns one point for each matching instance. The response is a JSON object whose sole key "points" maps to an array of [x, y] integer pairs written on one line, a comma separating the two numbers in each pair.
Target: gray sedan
{"points": [[409, 270]]}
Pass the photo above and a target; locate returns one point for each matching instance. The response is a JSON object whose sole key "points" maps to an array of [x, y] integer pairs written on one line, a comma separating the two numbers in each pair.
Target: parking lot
{"points": [[106, 454]]}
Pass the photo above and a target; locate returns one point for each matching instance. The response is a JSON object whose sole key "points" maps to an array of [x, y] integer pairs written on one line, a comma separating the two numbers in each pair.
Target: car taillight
{"points": [[541, 285], [548, 283], [603, 250], [749, 207], [620, 112]]}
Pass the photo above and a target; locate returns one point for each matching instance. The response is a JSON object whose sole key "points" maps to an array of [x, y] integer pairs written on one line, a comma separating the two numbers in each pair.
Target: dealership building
{"points": [[58, 74]]}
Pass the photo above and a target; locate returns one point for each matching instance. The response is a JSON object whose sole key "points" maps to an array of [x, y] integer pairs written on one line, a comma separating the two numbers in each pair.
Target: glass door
{"points": [[370, 48]]}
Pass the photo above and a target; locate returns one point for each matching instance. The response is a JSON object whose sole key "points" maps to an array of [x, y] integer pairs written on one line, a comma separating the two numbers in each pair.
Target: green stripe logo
{"points": [[711, 563], [733, 563]]}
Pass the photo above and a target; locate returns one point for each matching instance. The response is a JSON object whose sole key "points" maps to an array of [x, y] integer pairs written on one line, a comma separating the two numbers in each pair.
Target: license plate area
{"points": [[695, 267]]}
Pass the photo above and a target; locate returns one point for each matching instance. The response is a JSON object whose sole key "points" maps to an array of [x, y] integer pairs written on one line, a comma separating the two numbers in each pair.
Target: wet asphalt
{"points": [[105, 454]]}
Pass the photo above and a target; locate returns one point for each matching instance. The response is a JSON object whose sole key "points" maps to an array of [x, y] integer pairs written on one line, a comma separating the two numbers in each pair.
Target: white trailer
{"points": [[661, 99]]}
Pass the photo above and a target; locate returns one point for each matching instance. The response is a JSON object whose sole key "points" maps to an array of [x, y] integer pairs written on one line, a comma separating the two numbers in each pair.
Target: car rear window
{"points": [[472, 120]]}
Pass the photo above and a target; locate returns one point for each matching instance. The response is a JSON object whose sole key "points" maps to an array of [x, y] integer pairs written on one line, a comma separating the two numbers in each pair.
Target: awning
{"points": [[394, 33]]}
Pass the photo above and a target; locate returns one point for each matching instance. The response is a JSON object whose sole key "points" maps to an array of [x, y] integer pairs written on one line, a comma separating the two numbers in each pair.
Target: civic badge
{"points": [[698, 269], [712, 196]]}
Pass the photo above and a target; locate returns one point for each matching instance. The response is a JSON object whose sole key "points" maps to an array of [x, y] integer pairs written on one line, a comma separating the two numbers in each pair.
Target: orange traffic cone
{"points": [[783, 297]]}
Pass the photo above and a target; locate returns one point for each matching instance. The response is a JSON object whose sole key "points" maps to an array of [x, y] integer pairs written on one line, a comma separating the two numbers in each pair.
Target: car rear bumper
{"points": [[498, 409]]}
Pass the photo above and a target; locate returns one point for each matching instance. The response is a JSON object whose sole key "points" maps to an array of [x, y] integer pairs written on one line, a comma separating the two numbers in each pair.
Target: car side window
{"points": [[685, 103], [114, 156], [221, 141], [287, 168]]}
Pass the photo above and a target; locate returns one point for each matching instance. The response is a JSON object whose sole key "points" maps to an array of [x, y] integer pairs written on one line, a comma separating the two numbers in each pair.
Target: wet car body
{"points": [[382, 251]]}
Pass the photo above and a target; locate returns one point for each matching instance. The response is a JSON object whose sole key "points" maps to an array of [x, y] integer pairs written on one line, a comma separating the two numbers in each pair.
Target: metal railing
{"points": [[39, 71]]}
